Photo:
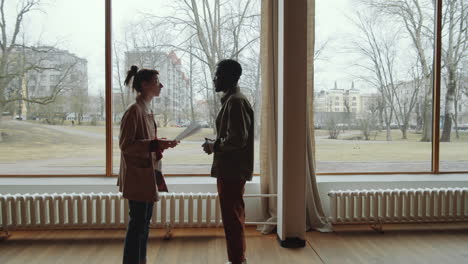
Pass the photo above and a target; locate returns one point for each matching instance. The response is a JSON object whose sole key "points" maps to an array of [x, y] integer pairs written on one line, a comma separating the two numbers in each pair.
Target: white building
{"points": [[174, 101], [341, 100], [47, 72]]}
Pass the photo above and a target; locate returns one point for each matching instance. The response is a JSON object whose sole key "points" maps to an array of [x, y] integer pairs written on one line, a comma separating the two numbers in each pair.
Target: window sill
{"points": [[107, 181], [393, 178], [199, 180]]}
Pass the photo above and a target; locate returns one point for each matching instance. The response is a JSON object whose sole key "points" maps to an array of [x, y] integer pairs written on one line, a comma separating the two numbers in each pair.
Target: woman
{"points": [[141, 152]]}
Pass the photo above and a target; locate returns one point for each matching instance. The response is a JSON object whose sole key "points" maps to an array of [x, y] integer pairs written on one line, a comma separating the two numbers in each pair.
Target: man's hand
{"points": [[165, 143], [208, 146]]}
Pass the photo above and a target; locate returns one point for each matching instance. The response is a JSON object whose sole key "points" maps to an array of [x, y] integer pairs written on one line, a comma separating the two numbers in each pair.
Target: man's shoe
{"points": [[243, 262]]}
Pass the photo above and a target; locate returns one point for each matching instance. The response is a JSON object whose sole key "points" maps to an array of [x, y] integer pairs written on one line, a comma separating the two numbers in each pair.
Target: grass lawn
{"points": [[167, 132], [372, 152], [25, 141]]}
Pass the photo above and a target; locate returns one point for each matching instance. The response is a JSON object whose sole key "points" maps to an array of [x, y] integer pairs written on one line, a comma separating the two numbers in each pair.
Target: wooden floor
{"points": [[197, 246]]}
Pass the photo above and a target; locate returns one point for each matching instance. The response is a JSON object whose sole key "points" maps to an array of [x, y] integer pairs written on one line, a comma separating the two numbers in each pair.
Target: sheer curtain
{"points": [[268, 157], [269, 181], [315, 217]]}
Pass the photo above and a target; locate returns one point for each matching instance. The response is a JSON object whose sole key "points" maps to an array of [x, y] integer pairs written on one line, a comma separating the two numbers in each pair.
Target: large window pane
{"points": [[162, 35], [454, 87], [373, 88], [51, 83]]}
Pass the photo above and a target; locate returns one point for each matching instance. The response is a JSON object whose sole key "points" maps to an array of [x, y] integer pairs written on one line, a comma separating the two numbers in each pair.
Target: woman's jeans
{"points": [[137, 232]]}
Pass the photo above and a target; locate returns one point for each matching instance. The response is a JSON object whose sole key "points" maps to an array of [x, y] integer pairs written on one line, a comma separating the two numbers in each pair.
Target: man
{"points": [[233, 155]]}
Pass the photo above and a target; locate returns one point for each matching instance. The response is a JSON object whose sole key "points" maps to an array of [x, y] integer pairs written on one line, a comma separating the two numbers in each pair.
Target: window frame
{"points": [[437, 68], [435, 157]]}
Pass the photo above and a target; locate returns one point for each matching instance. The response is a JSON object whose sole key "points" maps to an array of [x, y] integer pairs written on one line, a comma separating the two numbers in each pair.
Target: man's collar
{"points": [[232, 91]]}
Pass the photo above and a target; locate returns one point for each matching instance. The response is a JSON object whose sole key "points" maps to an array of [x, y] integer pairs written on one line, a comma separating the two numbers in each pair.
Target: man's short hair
{"points": [[230, 67]]}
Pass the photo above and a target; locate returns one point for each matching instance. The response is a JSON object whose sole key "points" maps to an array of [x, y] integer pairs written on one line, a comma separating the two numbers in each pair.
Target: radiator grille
{"points": [[399, 205], [104, 210]]}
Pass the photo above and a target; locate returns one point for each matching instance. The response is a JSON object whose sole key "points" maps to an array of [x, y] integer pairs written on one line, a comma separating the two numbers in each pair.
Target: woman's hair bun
{"points": [[132, 73]]}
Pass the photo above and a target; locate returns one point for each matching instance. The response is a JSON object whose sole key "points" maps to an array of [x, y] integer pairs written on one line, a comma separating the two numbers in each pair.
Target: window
{"points": [[188, 93], [391, 131], [37, 136], [69, 129], [454, 89]]}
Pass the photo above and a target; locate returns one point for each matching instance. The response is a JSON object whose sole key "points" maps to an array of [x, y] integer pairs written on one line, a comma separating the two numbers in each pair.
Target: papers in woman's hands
{"points": [[193, 128]]}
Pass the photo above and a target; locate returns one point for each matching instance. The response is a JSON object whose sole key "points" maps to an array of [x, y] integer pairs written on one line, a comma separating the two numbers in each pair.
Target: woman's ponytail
{"points": [[132, 73], [137, 76]]}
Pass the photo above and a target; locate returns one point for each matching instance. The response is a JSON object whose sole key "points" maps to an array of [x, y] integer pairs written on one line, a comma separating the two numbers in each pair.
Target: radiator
{"points": [[104, 210], [399, 206]]}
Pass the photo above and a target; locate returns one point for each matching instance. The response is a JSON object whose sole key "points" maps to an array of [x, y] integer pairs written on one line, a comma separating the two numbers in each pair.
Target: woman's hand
{"points": [[165, 143]]}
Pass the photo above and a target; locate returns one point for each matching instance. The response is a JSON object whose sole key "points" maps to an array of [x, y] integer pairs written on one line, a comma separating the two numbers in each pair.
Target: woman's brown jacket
{"points": [[136, 178]]}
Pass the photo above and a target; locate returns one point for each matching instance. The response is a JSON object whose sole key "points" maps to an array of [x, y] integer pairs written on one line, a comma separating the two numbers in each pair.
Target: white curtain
{"points": [[315, 217], [268, 157]]}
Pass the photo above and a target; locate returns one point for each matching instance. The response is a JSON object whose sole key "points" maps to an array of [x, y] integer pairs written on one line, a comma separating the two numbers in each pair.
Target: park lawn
{"points": [[365, 151], [28, 142], [395, 134], [18, 153], [321, 132], [384, 151], [184, 153], [94, 129], [453, 151], [167, 132]]}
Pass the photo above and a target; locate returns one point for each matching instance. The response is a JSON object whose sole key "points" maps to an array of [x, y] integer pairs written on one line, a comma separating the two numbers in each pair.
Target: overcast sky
{"points": [[78, 26]]}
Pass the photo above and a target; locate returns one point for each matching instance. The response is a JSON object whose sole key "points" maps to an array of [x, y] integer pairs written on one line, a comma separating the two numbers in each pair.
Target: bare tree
{"points": [[119, 77], [416, 17], [8, 45], [376, 107], [379, 54], [17, 60], [191, 79], [454, 50], [406, 98], [143, 46], [79, 103], [221, 29], [30, 63], [333, 128], [369, 124]]}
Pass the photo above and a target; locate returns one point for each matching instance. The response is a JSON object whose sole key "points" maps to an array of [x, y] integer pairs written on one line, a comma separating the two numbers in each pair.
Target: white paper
{"points": [[193, 128]]}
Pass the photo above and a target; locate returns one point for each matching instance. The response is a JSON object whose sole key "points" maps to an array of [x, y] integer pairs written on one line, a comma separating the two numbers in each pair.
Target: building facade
{"points": [[48, 74], [171, 107]]}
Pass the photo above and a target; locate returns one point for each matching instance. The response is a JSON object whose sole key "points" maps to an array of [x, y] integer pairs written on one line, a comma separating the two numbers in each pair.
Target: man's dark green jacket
{"points": [[234, 145]]}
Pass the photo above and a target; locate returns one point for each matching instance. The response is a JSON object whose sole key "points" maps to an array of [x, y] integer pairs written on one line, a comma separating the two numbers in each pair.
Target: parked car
{"points": [[204, 124], [463, 127]]}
